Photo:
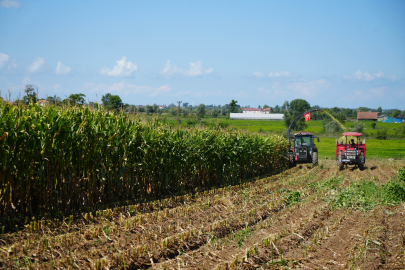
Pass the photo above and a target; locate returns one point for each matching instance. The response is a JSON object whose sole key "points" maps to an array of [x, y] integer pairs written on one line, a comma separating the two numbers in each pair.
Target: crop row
{"points": [[61, 160]]}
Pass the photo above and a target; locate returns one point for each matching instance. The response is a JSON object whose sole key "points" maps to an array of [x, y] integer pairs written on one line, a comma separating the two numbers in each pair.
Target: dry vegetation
{"points": [[305, 218]]}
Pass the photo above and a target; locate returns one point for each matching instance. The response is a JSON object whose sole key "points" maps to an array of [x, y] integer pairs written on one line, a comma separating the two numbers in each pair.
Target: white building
{"points": [[257, 116], [254, 110]]}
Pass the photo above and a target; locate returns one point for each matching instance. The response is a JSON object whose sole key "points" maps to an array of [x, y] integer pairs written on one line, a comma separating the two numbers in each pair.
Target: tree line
{"points": [[289, 109]]}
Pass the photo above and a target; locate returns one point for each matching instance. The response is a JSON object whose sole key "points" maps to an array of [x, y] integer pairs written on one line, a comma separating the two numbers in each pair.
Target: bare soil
{"points": [[251, 226]]}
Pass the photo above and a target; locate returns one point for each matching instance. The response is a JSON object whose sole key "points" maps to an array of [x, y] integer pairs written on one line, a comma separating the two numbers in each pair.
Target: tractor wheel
{"points": [[339, 161], [314, 159], [361, 165], [291, 161]]}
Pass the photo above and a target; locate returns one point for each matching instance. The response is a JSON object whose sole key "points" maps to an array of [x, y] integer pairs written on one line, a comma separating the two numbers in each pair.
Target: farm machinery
{"points": [[303, 148], [351, 152]]}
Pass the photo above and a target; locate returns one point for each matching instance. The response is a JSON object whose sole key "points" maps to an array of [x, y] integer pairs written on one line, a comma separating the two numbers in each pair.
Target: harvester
{"points": [[351, 153], [303, 148]]}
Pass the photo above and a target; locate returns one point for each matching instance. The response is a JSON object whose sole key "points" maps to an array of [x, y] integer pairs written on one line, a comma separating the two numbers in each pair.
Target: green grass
{"points": [[367, 194], [375, 148]]}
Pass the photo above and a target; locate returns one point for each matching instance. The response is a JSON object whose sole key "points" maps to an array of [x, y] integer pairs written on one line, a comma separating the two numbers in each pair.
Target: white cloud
{"points": [[309, 89], [37, 65], [379, 74], [161, 89], [361, 76], [61, 69], [126, 88], [10, 3], [169, 69], [258, 74], [365, 76], [12, 65], [279, 74], [56, 86], [276, 93], [3, 59], [371, 94], [123, 68], [195, 69], [26, 80], [300, 89]]}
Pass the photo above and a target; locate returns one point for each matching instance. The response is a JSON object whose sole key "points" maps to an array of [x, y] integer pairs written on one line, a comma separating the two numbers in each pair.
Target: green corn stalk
{"points": [[62, 159]]}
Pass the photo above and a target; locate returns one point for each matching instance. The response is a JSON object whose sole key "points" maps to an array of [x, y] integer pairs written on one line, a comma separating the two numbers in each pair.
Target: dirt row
{"points": [[253, 226]]}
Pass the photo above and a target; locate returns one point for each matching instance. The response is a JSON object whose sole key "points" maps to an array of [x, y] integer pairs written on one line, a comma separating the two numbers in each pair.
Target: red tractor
{"points": [[351, 152]]}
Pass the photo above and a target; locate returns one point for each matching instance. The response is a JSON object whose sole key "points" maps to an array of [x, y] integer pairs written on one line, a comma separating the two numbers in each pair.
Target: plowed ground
{"points": [[285, 221]]}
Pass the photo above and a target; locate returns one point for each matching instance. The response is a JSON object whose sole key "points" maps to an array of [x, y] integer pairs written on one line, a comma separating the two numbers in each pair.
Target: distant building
{"points": [[367, 115], [389, 119], [42, 102], [162, 107], [257, 116], [255, 110]]}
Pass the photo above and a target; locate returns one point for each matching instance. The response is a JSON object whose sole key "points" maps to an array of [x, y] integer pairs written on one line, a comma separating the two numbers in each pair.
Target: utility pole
{"points": [[178, 115]]}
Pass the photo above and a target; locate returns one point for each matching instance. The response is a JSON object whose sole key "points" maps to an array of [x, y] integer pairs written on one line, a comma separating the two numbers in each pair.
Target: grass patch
{"points": [[366, 194]]}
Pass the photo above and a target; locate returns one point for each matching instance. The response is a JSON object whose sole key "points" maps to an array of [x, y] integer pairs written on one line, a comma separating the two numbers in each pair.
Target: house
{"points": [[42, 102], [162, 107], [255, 110], [367, 115]]}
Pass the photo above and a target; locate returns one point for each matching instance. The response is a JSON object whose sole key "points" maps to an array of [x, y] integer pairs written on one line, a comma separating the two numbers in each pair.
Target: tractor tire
{"points": [[314, 159], [339, 161], [363, 161], [291, 161]]}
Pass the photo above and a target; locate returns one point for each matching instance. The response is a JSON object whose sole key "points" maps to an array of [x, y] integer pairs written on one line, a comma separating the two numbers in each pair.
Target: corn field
{"points": [[55, 161]]}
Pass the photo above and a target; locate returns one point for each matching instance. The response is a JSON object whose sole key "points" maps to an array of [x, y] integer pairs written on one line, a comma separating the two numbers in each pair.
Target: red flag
{"points": [[307, 116]]}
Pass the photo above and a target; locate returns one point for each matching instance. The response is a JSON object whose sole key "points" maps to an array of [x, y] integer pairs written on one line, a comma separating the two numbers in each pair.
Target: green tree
{"points": [[373, 125], [223, 111], [358, 126], [379, 110], [173, 110], [285, 106], [149, 109], [215, 112], [201, 110], [155, 108], [396, 113], [233, 108], [77, 99], [296, 107], [30, 94], [266, 106], [332, 127], [55, 100], [111, 102], [381, 134]]}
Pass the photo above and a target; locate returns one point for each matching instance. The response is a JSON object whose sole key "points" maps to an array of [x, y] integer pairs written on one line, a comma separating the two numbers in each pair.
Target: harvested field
{"points": [[303, 218]]}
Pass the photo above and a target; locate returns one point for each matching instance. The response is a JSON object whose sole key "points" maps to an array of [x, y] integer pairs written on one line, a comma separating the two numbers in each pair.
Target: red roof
{"points": [[356, 134], [255, 109], [367, 115]]}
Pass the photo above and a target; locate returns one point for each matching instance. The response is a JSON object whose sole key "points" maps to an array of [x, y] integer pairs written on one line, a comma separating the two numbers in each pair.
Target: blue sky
{"points": [[341, 53]]}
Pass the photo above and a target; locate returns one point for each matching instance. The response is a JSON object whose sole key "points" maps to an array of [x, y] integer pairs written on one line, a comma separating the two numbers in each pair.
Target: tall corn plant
{"points": [[55, 160]]}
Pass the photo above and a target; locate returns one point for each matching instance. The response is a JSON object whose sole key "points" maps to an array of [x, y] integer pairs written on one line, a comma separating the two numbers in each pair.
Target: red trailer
{"points": [[351, 152]]}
